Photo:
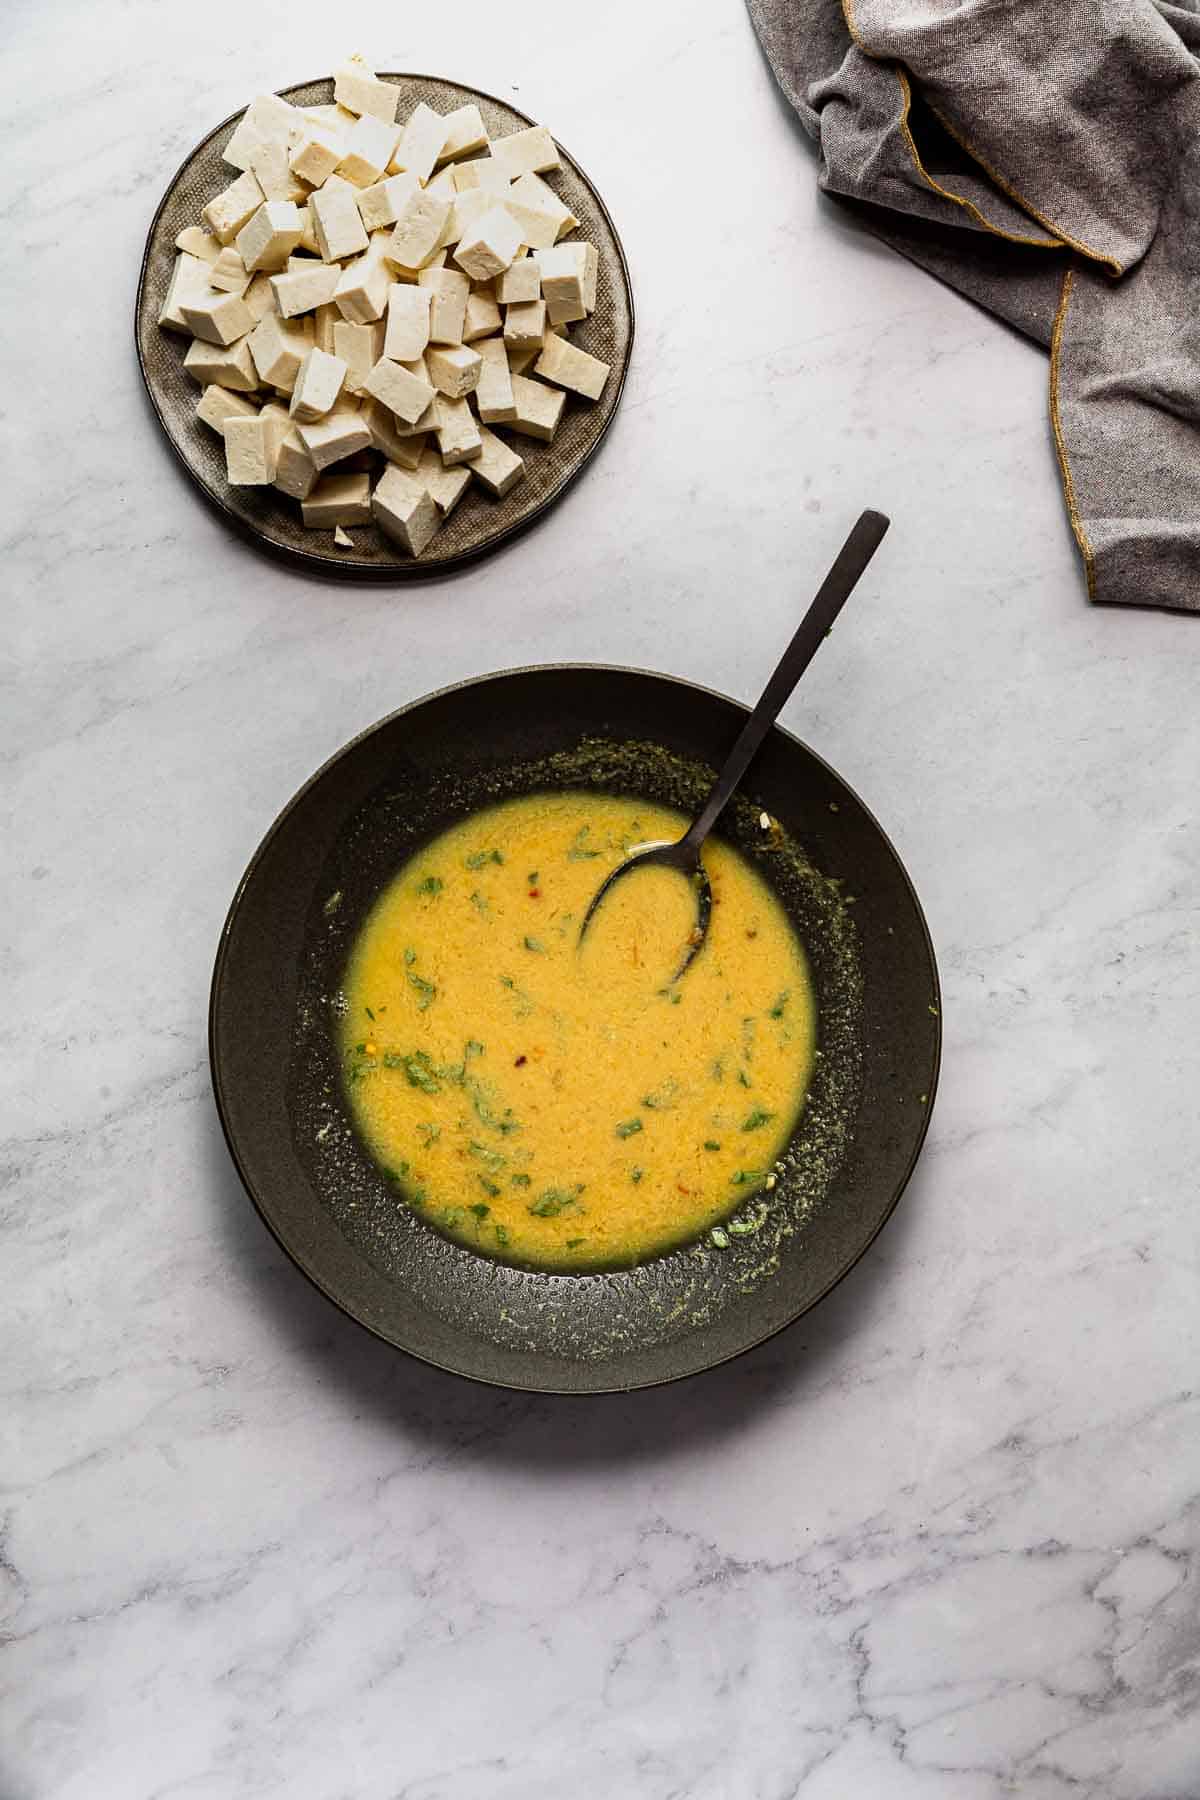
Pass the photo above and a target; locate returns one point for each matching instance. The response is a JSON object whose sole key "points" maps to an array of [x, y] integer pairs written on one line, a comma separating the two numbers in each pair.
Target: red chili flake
{"points": [[681, 1189], [519, 1061], [535, 893]]}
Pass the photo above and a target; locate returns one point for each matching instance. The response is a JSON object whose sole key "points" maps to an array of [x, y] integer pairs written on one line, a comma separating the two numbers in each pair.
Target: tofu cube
{"points": [[420, 142], [525, 325], [267, 120], [537, 224], [520, 283], [216, 317], [339, 229], [526, 152], [530, 189], [569, 280], [318, 384], [484, 172], [336, 436], [482, 317], [362, 290], [308, 237], [317, 155], [380, 204], [360, 348], [216, 404], [448, 292], [324, 320], [444, 486], [338, 500], [369, 145], [538, 408], [356, 88], [306, 289], [465, 133], [246, 454], [270, 235], [198, 243], [457, 433], [337, 119], [407, 331], [496, 467], [258, 297], [454, 369], [490, 246], [278, 424], [226, 215], [419, 226], [404, 510], [494, 400], [189, 281], [273, 172], [381, 423], [569, 367], [295, 470], [342, 539], [278, 349], [230, 367], [521, 360], [402, 392], [229, 273]]}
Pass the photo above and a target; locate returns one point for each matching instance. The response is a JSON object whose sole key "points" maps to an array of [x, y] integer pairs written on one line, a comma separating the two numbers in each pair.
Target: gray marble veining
{"points": [[938, 1542]]}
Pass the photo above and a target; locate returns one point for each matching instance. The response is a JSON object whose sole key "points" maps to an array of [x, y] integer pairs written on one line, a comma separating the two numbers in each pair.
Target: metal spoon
{"points": [[684, 856]]}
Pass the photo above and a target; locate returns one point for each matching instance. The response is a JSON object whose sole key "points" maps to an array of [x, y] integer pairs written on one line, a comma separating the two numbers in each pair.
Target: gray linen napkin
{"points": [[1043, 156]]}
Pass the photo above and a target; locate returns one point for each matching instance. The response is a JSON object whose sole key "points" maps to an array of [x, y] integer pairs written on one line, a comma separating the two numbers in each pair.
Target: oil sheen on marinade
{"points": [[566, 1106]]}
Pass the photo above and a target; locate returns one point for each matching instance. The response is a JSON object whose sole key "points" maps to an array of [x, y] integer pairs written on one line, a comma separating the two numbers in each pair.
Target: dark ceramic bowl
{"points": [[281, 960]]}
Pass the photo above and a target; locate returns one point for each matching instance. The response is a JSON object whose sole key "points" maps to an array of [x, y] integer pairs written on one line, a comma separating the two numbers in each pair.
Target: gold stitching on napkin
{"points": [[1060, 445]]}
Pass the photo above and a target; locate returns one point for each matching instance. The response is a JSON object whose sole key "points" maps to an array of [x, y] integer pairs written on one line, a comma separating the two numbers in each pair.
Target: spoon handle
{"points": [[832, 595]]}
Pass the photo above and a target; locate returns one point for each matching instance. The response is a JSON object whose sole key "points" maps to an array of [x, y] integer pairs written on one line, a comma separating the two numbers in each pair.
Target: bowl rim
{"points": [[217, 1082]]}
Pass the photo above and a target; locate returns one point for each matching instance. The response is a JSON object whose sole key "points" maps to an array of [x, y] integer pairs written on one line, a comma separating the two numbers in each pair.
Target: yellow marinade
{"points": [[566, 1106]]}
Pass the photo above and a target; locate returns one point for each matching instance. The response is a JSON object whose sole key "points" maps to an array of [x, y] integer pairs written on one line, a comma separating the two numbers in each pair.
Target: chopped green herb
{"points": [[719, 1238], [549, 1204], [360, 1049], [531, 878], [574, 1243], [776, 1011], [751, 1223], [629, 1128], [420, 1071], [432, 884], [741, 1177], [430, 1133], [532, 943], [369, 1014], [711, 1144], [426, 990], [744, 1079], [479, 903], [635, 1175], [398, 1173], [520, 1180], [758, 1117], [481, 857], [579, 851], [487, 1114], [473, 1047], [410, 957], [481, 1209], [452, 1216], [664, 1097], [676, 997], [489, 1187], [491, 1159], [501, 1236]]}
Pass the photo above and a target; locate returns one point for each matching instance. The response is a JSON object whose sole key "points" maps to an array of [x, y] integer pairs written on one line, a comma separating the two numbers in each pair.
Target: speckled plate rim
{"points": [[297, 1258], [314, 561]]}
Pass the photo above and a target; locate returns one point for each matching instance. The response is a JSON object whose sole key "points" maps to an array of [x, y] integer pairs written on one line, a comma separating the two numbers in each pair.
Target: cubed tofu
{"points": [[216, 404], [537, 224], [270, 235], [199, 243], [338, 500], [482, 317], [338, 119], [380, 204], [521, 360], [494, 395], [465, 132], [453, 369], [468, 210], [530, 189], [490, 245], [295, 470], [258, 297], [496, 467], [448, 292], [318, 384], [525, 325], [457, 433], [484, 172], [569, 280], [306, 289], [444, 486], [338, 435], [380, 421], [442, 183], [420, 142], [569, 367], [418, 229], [336, 221], [267, 120], [369, 145], [230, 367], [407, 330], [360, 91], [317, 155], [216, 317], [228, 212], [229, 273], [274, 174], [308, 237], [402, 392], [360, 348], [362, 290], [520, 283], [278, 423], [189, 281], [246, 455], [404, 510], [526, 152], [324, 320], [278, 349], [538, 408]]}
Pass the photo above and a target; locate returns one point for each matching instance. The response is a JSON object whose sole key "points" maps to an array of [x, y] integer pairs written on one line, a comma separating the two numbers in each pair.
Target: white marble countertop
{"points": [[935, 1542]]}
